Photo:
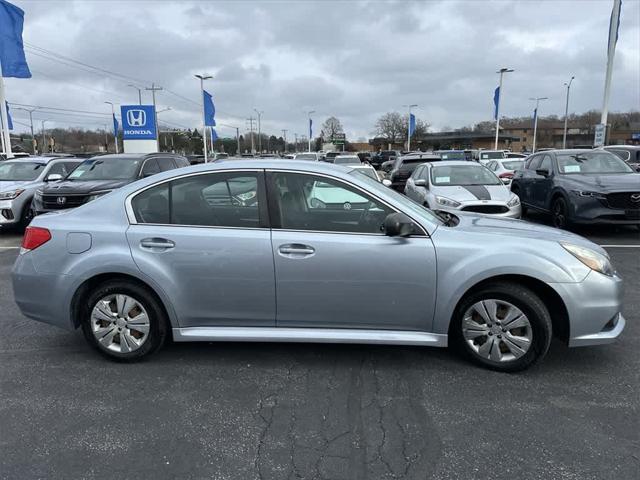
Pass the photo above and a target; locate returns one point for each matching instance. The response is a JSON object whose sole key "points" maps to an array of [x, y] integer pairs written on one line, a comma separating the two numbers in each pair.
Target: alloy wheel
{"points": [[559, 214], [497, 330], [120, 323]]}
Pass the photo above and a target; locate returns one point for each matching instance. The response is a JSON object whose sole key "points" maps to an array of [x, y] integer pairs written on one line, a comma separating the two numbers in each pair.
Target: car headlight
{"points": [[515, 200], [95, 195], [593, 260], [447, 202], [585, 193], [10, 195]]}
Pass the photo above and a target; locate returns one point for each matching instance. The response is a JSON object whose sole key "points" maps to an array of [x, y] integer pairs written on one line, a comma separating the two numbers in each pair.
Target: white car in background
{"points": [[485, 156], [460, 186], [368, 170], [312, 156], [505, 169], [347, 160]]}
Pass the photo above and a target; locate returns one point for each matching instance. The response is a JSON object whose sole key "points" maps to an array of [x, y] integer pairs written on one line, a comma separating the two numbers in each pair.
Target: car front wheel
{"points": [[124, 321], [503, 326], [559, 213]]}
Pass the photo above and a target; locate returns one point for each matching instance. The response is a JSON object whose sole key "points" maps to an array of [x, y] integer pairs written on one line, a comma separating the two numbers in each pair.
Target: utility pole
{"points": [[284, 135], [259, 129], [153, 90], [33, 138], [310, 129], [502, 71], [139, 92], [409, 126], [566, 114], [251, 120], [295, 148], [115, 134], [535, 121]]}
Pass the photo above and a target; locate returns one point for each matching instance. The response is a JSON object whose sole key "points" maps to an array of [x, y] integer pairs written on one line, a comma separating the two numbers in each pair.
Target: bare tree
{"points": [[394, 127], [330, 128]]}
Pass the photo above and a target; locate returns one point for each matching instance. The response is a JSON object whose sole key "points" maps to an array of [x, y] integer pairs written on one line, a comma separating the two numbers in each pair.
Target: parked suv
{"points": [[21, 178], [580, 186], [403, 167], [383, 156], [100, 175]]}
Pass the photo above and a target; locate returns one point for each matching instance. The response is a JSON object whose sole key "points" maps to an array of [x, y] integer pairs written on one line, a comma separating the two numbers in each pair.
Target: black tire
{"points": [[524, 299], [158, 322], [560, 213], [27, 215]]}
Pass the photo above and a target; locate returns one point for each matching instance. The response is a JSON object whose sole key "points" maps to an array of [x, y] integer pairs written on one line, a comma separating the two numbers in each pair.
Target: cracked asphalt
{"points": [[287, 411]]}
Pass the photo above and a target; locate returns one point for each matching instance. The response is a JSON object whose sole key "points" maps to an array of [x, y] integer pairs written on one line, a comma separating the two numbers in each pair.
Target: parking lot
{"points": [[275, 411]]}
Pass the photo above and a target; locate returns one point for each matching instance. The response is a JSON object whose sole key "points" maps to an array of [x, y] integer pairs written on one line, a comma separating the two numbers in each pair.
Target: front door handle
{"points": [[159, 243], [296, 249]]}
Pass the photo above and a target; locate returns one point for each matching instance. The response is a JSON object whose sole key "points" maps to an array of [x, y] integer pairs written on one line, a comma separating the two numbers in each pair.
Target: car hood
{"points": [[607, 183], [473, 193], [508, 227], [9, 185], [79, 187]]}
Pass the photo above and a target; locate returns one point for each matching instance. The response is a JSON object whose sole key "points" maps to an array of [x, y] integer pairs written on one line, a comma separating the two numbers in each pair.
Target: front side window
{"points": [[165, 164], [546, 163], [310, 202], [214, 200], [534, 162]]}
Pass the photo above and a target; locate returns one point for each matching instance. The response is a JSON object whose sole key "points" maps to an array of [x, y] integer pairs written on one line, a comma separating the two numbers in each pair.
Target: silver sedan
{"points": [[247, 251]]}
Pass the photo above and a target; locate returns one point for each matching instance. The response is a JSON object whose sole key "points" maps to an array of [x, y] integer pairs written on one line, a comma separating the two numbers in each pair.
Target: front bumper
{"points": [[512, 212], [594, 307], [9, 213], [587, 210]]}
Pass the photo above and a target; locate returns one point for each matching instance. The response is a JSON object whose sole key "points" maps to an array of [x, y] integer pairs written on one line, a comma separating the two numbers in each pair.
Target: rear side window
{"points": [[215, 200]]}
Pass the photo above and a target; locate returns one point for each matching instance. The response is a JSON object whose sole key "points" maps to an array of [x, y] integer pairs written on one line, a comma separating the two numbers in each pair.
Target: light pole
{"points": [[115, 134], [139, 92], [535, 121], [566, 114], [33, 142], [259, 129], [284, 135], [310, 132], [409, 125], [202, 78], [153, 89], [106, 138], [295, 149], [502, 71], [44, 140]]}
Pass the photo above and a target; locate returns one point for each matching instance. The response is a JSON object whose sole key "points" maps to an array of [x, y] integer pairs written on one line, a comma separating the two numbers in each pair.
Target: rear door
{"points": [[205, 239]]}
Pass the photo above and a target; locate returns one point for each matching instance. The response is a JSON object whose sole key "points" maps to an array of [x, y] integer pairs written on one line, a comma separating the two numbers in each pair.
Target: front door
{"points": [[334, 266], [204, 238]]}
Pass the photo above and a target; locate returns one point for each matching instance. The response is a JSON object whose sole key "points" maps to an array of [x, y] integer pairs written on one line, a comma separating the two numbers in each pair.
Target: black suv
{"points": [[97, 176], [402, 168], [378, 158], [579, 186]]}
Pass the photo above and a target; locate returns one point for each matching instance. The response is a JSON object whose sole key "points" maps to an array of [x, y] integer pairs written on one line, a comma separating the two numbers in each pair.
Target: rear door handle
{"points": [[161, 243], [296, 249]]}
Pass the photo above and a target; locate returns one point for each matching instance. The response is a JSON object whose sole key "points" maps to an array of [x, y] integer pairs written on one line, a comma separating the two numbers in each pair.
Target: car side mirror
{"points": [[386, 182], [420, 182], [53, 177], [398, 225], [543, 171]]}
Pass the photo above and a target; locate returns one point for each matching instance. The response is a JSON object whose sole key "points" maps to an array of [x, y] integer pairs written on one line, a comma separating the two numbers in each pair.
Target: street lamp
{"points": [[502, 71], [409, 126], [259, 129], [566, 114], [310, 133], [139, 92], [202, 78], [535, 120], [113, 115]]}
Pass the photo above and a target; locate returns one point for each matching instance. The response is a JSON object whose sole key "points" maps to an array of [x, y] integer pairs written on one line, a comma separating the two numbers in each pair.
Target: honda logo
{"points": [[136, 118], [61, 200], [635, 198]]}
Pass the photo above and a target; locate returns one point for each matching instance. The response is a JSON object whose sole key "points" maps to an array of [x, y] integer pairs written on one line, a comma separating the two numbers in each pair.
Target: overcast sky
{"points": [[354, 60]]}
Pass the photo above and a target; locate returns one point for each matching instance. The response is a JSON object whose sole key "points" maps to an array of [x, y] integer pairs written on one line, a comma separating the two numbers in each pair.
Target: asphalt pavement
{"points": [[286, 411]]}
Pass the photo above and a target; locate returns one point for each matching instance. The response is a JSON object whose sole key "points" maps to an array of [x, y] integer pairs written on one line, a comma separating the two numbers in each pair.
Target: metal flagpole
{"points": [[5, 121], [312, 111], [535, 121], [502, 71], [611, 51], [202, 78], [566, 114]]}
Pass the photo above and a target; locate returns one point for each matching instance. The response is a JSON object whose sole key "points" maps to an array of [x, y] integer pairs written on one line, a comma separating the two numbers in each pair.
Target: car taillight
{"points": [[34, 237], [506, 175]]}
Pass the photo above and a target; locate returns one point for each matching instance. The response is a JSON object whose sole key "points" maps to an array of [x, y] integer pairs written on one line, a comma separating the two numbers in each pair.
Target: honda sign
{"points": [[138, 122]]}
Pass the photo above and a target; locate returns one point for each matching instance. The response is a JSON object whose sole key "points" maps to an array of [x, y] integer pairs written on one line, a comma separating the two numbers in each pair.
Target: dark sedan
{"points": [[580, 187], [100, 175]]}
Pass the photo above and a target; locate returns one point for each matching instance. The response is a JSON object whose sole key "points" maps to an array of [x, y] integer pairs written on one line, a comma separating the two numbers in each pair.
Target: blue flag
{"points": [[496, 102], [115, 126], [209, 110], [9, 121], [310, 129], [12, 60], [412, 124]]}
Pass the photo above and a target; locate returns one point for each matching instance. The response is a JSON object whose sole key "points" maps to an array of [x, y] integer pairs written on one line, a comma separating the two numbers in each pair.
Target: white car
{"points": [[313, 156], [460, 186], [368, 170], [346, 160], [505, 169], [485, 156]]}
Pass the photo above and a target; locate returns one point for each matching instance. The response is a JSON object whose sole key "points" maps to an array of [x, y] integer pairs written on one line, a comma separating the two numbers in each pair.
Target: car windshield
{"points": [[591, 162], [445, 175], [346, 160], [491, 155], [513, 164], [20, 171], [112, 169], [453, 156]]}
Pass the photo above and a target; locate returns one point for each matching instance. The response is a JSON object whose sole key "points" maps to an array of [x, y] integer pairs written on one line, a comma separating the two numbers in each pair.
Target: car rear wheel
{"points": [[503, 326], [124, 321], [560, 214]]}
